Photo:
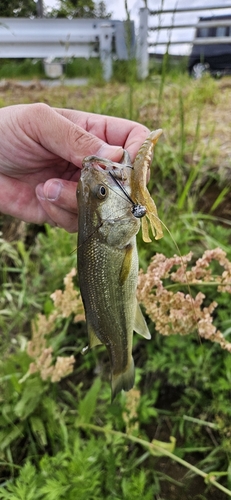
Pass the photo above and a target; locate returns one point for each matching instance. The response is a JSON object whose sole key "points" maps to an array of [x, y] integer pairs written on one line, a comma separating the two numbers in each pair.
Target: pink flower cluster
{"points": [[177, 312]]}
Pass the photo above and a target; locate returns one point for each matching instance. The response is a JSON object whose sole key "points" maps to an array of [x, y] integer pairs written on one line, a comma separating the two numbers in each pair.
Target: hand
{"points": [[41, 153]]}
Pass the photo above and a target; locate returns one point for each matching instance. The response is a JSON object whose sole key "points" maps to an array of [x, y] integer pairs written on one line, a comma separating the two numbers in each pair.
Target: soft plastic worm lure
{"points": [[139, 192]]}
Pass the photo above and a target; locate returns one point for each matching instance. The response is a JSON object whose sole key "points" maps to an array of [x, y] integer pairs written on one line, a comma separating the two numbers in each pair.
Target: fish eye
{"points": [[101, 192]]}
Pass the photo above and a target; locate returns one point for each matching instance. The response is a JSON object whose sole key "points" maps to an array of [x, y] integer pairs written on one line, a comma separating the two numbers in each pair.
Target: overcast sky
{"points": [[118, 12]]}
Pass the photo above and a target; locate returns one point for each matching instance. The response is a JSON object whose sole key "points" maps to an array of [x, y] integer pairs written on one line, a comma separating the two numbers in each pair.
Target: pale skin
{"points": [[41, 153]]}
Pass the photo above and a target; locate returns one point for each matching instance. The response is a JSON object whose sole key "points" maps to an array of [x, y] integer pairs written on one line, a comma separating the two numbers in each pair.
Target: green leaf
{"points": [[24, 488], [38, 430], [7, 437], [31, 396], [88, 404], [53, 489]]}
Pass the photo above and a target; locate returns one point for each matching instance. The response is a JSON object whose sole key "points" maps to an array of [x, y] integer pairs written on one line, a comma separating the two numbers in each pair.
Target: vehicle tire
{"points": [[199, 69]]}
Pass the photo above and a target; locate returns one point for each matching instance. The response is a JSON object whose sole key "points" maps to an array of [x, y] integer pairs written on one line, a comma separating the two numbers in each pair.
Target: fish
{"points": [[107, 257]]}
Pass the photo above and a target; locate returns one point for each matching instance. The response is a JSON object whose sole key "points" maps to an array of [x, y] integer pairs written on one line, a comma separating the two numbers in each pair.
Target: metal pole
{"points": [[39, 6], [105, 49], [142, 45]]}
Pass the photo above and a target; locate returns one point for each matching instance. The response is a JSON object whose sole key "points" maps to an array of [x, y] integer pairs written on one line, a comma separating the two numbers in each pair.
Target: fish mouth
{"points": [[113, 178], [105, 165]]}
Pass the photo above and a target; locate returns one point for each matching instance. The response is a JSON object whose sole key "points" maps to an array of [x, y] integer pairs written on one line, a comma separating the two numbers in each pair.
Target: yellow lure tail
{"points": [[139, 191]]}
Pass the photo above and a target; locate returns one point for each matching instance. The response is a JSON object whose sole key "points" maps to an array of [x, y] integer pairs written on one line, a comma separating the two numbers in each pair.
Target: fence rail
{"points": [[188, 9], [201, 41], [63, 38], [200, 24], [147, 31], [174, 25]]}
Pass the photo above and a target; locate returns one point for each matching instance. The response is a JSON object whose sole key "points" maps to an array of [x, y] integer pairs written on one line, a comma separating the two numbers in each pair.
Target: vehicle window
{"points": [[221, 31], [203, 32]]}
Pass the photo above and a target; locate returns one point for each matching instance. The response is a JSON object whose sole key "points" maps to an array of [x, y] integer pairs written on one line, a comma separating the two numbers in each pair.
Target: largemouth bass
{"points": [[109, 220]]}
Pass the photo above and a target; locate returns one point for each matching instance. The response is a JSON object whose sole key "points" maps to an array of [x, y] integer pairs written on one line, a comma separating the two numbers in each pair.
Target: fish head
{"points": [[103, 203]]}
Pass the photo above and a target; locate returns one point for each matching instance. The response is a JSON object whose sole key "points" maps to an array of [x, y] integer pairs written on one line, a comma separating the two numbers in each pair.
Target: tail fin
{"points": [[124, 380]]}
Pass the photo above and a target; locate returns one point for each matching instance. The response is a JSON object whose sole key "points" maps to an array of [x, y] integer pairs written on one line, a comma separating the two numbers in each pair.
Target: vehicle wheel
{"points": [[199, 69]]}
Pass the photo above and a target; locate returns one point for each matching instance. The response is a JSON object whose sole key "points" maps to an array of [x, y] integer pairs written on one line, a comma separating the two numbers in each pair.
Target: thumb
{"points": [[67, 140]]}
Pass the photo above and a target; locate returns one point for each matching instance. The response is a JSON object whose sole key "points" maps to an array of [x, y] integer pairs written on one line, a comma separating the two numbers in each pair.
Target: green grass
{"points": [[24, 68], [59, 440], [72, 68]]}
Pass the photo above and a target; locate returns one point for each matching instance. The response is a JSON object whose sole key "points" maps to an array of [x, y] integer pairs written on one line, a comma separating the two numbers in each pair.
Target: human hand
{"points": [[41, 153]]}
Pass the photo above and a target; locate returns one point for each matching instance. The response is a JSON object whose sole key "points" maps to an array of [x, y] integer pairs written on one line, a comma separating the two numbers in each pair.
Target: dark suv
{"points": [[211, 51]]}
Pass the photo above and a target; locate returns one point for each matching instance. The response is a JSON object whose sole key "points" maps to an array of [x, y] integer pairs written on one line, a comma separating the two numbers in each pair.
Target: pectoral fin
{"points": [[93, 339], [140, 325], [126, 265]]}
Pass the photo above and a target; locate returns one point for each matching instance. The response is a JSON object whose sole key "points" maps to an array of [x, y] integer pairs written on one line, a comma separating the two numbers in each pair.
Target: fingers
{"points": [[52, 143], [18, 200], [66, 139], [58, 199], [112, 130]]}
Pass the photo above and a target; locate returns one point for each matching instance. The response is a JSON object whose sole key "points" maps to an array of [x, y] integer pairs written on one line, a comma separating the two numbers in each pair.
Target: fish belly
{"points": [[110, 305]]}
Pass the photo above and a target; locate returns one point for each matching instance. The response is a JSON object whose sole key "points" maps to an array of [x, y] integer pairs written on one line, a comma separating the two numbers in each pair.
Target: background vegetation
{"points": [[65, 439], [66, 8]]}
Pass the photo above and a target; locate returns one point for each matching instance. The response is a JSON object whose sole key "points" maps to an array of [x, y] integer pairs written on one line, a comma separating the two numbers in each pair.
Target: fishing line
{"points": [[127, 199], [121, 187], [137, 210], [103, 221]]}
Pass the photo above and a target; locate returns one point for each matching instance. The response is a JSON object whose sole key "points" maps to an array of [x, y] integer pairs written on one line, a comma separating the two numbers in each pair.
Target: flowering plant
{"points": [[178, 312]]}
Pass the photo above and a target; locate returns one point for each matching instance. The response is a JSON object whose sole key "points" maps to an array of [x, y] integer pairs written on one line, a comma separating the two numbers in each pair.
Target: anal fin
{"points": [[140, 325]]}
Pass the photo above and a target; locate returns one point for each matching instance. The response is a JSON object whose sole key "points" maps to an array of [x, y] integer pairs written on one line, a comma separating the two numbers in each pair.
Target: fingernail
{"points": [[111, 152], [52, 190], [39, 191]]}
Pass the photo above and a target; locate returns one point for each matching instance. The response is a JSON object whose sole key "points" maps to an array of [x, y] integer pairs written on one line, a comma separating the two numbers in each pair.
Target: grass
{"points": [[27, 68], [59, 440]]}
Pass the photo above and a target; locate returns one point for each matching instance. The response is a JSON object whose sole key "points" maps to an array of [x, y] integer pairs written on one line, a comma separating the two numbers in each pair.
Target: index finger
{"points": [[115, 131], [53, 133]]}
